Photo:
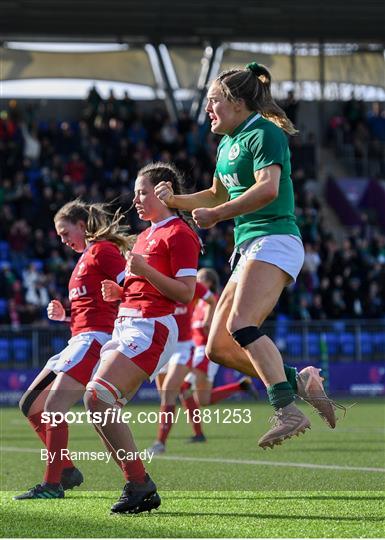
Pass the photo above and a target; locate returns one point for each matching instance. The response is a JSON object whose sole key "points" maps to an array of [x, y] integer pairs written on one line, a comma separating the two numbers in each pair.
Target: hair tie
{"points": [[255, 68]]}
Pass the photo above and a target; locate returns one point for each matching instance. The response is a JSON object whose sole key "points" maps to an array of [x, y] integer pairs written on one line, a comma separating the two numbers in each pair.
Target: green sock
{"points": [[291, 376], [280, 395]]}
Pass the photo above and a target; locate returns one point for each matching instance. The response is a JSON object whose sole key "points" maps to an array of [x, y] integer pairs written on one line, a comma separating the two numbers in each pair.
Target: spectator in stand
{"points": [[290, 106]]}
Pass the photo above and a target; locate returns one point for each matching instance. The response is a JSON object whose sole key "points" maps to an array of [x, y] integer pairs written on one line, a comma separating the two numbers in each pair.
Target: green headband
{"points": [[255, 68]]}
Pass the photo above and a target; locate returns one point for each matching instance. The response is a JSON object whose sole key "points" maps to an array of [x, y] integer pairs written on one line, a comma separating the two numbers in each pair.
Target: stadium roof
{"points": [[194, 21]]}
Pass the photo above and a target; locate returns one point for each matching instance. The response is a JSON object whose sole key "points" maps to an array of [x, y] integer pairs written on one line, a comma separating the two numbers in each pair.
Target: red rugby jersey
{"points": [[198, 316], [89, 312], [183, 312], [172, 248]]}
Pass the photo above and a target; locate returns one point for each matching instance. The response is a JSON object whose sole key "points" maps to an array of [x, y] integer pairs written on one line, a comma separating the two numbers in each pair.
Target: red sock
{"points": [[39, 428], [166, 422], [57, 440], [185, 386], [222, 392], [134, 471], [191, 405], [41, 431]]}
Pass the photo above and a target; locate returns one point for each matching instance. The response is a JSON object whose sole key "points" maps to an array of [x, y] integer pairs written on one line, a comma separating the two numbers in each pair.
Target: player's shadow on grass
{"points": [[273, 498], [268, 516]]}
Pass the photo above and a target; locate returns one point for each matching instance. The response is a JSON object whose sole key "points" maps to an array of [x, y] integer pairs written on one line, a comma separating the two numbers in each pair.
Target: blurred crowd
{"points": [[45, 164], [358, 135]]}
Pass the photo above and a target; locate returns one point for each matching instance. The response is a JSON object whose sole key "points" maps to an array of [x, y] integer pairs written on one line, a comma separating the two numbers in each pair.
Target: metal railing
{"points": [[299, 341]]}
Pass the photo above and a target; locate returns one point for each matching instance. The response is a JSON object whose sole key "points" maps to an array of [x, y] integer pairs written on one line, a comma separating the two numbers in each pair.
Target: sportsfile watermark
{"points": [[114, 415]]}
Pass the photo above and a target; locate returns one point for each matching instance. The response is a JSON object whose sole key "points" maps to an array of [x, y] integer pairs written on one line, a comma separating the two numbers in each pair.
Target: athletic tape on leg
{"points": [[104, 390], [35, 392], [248, 334]]}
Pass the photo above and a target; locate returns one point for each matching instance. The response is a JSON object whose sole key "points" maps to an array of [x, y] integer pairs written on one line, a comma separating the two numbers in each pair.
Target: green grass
{"points": [[227, 487]]}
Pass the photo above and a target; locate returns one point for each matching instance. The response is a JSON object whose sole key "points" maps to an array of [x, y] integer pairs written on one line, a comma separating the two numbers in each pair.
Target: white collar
{"points": [[251, 121], [155, 226]]}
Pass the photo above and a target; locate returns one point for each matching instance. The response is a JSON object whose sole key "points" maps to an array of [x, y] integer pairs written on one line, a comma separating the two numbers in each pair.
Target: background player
{"points": [[87, 229], [191, 367], [171, 378]]}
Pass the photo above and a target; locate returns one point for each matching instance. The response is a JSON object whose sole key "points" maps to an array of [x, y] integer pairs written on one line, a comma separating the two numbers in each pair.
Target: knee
{"points": [[215, 351], [23, 405], [236, 322], [100, 392]]}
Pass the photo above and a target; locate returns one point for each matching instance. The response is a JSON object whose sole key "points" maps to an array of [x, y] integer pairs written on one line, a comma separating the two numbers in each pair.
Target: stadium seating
{"points": [[4, 350], [22, 349]]}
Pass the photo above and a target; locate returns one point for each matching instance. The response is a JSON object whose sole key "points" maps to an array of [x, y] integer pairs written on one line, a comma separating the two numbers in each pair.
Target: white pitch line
{"points": [[236, 461], [338, 429], [273, 463]]}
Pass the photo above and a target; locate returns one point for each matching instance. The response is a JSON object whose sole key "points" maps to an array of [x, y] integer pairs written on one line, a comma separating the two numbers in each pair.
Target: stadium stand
{"points": [[96, 157]]}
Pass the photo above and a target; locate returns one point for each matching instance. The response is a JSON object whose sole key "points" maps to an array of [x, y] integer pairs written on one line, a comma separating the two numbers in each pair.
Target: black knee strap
{"points": [[34, 393], [245, 336]]}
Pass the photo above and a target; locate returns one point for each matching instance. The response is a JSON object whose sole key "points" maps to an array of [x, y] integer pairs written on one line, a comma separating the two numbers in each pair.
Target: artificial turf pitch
{"points": [[327, 483]]}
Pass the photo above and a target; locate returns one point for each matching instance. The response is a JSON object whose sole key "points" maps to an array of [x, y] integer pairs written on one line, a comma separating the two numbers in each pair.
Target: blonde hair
{"points": [[253, 85], [101, 224]]}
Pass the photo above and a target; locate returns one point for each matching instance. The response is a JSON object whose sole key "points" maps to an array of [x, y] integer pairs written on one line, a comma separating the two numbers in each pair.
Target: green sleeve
{"points": [[268, 147]]}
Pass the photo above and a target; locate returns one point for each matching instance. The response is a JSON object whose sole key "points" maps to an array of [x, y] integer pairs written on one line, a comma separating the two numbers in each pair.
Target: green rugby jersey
{"points": [[255, 144]]}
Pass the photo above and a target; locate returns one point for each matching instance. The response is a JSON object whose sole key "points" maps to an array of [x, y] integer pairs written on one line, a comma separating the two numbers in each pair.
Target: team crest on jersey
{"points": [[81, 268], [234, 152], [151, 244]]}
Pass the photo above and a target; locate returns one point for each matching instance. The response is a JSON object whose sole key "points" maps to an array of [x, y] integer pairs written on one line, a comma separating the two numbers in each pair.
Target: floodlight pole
{"points": [[206, 67], [321, 103], [210, 69], [172, 105]]}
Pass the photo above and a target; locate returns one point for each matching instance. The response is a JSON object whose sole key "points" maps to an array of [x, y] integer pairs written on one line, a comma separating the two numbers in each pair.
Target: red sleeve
{"points": [[184, 253], [110, 261], [201, 291]]}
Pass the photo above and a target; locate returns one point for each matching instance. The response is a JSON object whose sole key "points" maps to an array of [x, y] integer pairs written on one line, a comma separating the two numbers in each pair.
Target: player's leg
{"points": [[187, 397], [57, 397], [33, 400], [136, 352], [170, 391], [177, 369], [222, 349], [115, 378], [257, 292]]}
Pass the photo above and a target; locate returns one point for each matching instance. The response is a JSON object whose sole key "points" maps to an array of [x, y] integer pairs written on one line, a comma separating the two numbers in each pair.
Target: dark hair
{"points": [[209, 274], [100, 223], [167, 172], [253, 85]]}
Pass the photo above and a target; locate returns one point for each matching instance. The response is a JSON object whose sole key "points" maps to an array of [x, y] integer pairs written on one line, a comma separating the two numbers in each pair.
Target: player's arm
{"points": [[208, 198], [183, 253], [211, 303], [179, 289], [262, 193]]}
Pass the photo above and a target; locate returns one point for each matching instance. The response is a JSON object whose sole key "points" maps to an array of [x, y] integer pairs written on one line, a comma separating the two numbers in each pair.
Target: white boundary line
{"points": [[274, 463], [236, 461]]}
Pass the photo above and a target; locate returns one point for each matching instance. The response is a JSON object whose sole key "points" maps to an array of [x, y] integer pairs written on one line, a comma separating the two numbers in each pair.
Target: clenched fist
{"points": [[56, 311], [111, 291], [205, 218], [165, 193], [136, 264]]}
